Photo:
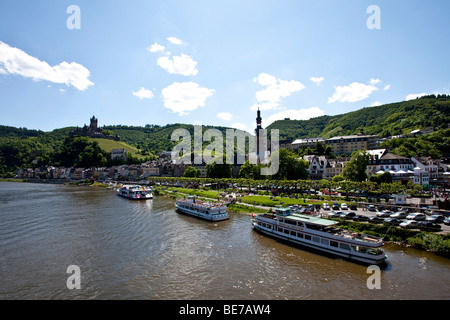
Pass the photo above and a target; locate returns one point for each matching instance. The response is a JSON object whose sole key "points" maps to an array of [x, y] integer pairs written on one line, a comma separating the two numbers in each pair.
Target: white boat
{"points": [[135, 192], [320, 234], [212, 211]]}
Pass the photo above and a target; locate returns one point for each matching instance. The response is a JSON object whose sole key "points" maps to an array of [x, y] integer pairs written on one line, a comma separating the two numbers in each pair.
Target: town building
{"points": [[306, 143], [119, 154], [349, 144]]}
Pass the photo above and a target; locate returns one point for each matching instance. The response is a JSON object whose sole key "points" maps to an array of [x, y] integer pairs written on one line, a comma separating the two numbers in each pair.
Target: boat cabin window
{"points": [[345, 246], [316, 239], [307, 237], [334, 244], [292, 222]]}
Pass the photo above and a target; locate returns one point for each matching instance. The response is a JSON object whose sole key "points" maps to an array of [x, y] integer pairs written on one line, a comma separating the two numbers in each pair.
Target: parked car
{"points": [[353, 207], [384, 213], [429, 226], [375, 219], [360, 218], [344, 206], [447, 221], [371, 207], [335, 206], [399, 215], [326, 206], [348, 215], [393, 221], [416, 216], [335, 214], [435, 218], [409, 224]]}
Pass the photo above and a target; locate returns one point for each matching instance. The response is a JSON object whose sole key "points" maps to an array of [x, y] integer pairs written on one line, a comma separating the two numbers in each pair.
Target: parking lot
{"points": [[369, 214]]}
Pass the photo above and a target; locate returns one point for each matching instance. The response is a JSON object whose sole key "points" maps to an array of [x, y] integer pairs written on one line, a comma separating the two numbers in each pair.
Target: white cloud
{"points": [[413, 96], [184, 97], [295, 114], [375, 104], [182, 64], [316, 80], [387, 87], [17, 62], [174, 40], [225, 116], [156, 48], [265, 106], [276, 89], [352, 93], [374, 81], [143, 94], [240, 126]]}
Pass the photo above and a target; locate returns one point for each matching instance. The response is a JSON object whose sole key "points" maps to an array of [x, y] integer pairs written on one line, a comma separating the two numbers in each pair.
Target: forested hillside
{"points": [[22, 147], [386, 120]]}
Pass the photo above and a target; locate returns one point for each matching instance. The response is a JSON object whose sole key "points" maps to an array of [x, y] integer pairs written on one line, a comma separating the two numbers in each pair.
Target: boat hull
{"points": [[352, 256], [208, 217], [147, 197]]}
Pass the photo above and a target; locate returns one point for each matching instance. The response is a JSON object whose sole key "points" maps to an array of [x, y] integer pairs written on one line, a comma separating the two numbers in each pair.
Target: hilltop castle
{"points": [[92, 131]]}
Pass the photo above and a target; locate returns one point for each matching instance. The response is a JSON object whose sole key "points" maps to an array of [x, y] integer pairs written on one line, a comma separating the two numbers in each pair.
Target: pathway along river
{"points": [[146, 250]]}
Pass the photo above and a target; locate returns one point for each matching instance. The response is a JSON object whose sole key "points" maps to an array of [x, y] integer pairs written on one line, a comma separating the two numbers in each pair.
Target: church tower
{"points": [[258, 133]]}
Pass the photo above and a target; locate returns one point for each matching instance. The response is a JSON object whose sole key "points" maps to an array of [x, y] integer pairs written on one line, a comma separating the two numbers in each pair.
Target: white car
{"points": [[416, 216], [399, 215], [384, 213], [344, 206], [409, 224], [326, 206]]}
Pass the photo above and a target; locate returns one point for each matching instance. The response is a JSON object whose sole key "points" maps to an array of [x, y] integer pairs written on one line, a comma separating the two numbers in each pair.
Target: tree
{"points": [[355, 169], [191, 172], [215, 170], [291, 167]]}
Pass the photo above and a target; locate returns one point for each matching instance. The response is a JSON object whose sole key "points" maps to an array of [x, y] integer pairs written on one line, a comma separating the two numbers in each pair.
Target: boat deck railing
{"points": [[343, 233]]}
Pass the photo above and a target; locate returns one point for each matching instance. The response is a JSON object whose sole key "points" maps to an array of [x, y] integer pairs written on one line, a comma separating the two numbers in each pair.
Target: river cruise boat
{"points": [[212, 211], [322, 235], [135, 192]]}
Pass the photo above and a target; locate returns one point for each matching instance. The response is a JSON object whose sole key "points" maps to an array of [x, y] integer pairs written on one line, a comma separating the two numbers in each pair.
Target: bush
{"points": [[436, 243]]}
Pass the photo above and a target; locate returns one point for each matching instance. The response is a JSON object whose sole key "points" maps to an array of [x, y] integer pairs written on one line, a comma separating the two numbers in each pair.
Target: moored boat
{"points": [[322, 235], [212, 211], [135, 192]]}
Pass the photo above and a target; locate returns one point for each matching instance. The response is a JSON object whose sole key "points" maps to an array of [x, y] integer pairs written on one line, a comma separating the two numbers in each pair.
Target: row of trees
{"points": [[297, 186]]}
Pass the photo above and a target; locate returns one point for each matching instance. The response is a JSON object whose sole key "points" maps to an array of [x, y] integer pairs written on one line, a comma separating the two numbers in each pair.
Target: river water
{"points": [[146, 250]]}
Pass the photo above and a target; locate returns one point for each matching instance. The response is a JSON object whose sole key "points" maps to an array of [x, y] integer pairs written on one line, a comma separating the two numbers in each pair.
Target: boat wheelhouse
{"points": [[212, 211], [320, 234], [135, 192]]}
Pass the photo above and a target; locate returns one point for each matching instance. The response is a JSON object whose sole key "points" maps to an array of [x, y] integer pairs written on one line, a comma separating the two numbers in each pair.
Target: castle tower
{"points": [[94, 124]]}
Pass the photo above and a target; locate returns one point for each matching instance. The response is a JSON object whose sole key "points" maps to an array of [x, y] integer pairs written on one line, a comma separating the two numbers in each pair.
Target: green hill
{"points": [[386, 120]]}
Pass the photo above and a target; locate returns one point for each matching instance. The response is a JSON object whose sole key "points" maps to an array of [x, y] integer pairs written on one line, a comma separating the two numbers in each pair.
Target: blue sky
{"points": [[214, 62]]}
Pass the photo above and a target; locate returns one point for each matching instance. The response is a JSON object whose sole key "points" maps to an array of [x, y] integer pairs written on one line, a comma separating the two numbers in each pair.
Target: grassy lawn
{"points": [[266, 201], [109, 145], [211, 194]]}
